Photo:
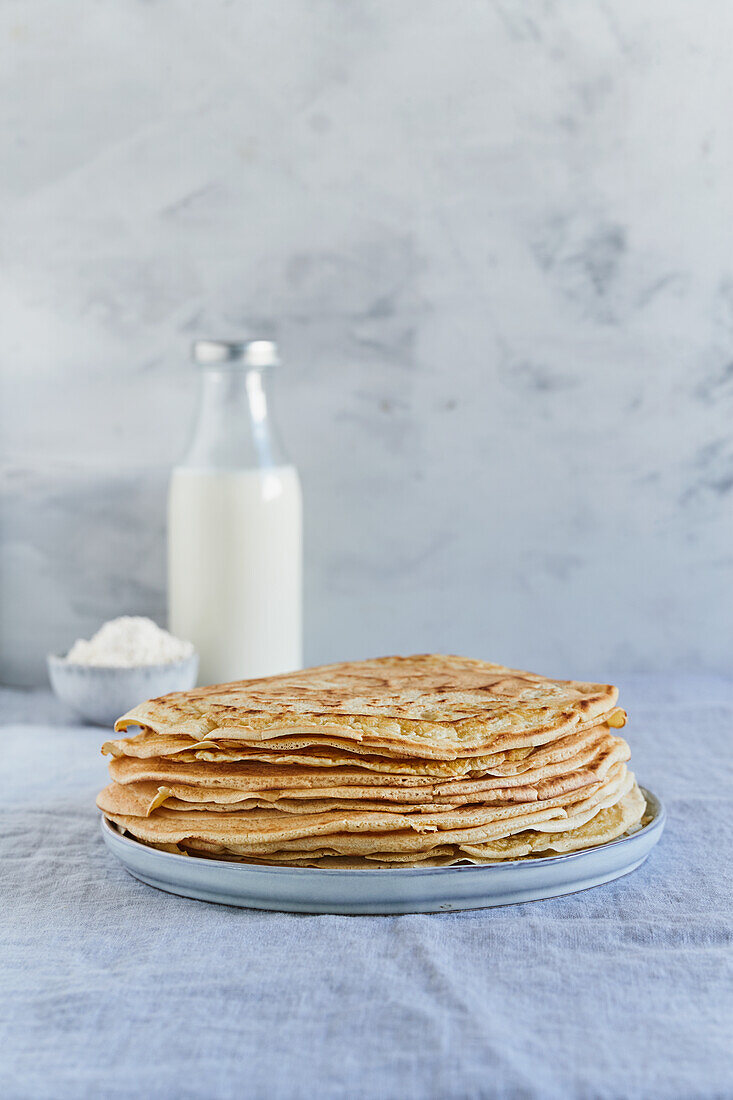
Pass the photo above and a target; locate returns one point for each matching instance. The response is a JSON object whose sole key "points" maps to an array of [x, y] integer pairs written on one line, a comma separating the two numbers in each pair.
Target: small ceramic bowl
{"points": [[102, 694]]}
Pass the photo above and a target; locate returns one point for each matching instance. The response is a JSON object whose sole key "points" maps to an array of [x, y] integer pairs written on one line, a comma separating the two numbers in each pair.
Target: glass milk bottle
{"points": [[235, 524]]}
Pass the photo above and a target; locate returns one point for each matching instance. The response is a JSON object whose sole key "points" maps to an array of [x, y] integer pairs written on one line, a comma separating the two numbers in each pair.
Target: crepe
{"points": [[260, 830], [423, 760], [539, 765], [608, 824], [511, 761], [183, 787], [427, 706]]}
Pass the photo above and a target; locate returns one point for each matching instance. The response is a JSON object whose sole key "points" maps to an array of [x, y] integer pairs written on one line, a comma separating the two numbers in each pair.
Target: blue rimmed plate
{"points": [[398, 890]]}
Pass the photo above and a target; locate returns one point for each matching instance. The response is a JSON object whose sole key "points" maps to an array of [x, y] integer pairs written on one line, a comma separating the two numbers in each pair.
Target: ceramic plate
{"points": [[402, 890]]}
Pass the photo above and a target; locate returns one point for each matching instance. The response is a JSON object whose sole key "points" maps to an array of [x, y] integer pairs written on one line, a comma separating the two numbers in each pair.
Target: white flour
{"points": [[128, 642]]}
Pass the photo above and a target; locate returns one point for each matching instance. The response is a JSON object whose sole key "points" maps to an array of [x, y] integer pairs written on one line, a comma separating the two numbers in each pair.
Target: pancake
{"points": [[428, 706], [510, 761], [608, 824], [256, 776], [397, 761], [258, 830], [170, 785]]}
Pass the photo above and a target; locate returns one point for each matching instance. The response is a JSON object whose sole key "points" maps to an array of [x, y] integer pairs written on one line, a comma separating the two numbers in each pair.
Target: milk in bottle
{"points": [[234, 525]]}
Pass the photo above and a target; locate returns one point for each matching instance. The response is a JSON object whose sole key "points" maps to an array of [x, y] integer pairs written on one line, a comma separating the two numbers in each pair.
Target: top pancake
{"points": [[428, 706]]}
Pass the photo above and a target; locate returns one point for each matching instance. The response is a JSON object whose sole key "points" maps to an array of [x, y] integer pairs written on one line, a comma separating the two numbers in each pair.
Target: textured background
{"points": [[494, 240]]}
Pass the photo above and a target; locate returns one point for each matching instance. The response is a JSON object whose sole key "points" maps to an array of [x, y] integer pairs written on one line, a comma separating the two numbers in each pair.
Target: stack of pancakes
{"points": [[425, 760]]}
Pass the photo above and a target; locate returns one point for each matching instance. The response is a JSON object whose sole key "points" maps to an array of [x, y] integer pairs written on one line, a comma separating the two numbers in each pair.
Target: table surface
{"points": [[113, 989]]}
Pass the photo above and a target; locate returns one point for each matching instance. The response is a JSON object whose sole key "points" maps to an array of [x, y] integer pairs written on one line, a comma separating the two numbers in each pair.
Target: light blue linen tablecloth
{"points": [[111, 989]]}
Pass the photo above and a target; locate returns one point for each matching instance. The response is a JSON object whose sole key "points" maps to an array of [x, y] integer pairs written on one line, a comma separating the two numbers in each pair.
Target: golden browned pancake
{"points": [[398, 760], [426, 706], [354, 830]]}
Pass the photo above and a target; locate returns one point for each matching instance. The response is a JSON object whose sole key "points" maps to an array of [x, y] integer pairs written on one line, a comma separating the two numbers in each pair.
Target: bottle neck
{"points": [[233, 429]]}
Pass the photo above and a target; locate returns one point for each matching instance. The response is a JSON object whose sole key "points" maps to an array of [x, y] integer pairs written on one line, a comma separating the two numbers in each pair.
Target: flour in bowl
{"points": [[129, 642]]}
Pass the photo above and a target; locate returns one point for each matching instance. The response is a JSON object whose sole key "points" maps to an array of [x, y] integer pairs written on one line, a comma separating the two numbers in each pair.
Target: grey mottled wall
{"points": [[494, 240]]}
